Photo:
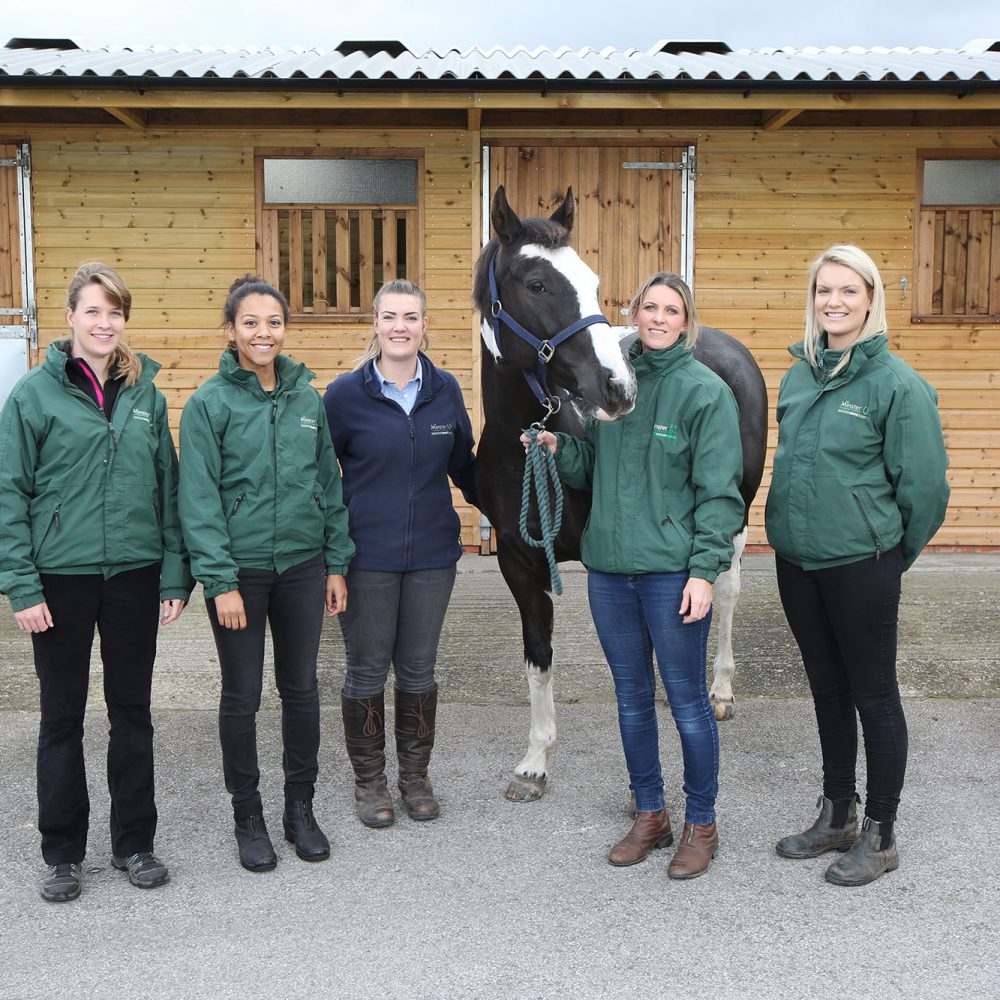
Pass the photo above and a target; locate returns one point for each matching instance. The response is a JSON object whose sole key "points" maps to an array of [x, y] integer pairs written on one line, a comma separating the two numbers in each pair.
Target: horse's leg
{"points": [[727, 594], [527, 582]]}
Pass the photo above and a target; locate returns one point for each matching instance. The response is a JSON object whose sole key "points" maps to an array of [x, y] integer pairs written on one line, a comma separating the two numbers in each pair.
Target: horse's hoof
{"points": [[724, 709], [523, 788]]}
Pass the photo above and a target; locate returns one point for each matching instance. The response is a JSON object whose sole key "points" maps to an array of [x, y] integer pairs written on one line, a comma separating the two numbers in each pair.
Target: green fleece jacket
{"points": [[664, 479], [860, 463], [260, 485], [82, 494]]}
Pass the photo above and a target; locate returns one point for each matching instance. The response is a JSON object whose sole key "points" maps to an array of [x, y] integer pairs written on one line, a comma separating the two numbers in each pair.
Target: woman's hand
{"points": [[545, 439], [336, 594], [696, 601], [230, 611], [34, 619], [172, 609]]}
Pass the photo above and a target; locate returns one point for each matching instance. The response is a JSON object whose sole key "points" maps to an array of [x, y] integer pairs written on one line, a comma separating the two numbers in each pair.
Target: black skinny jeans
{"points": [[125, 611], [845, 620], [292, 603]]}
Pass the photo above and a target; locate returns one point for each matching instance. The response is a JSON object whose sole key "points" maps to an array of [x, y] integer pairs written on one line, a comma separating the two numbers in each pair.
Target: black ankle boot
{"points": [[256, 852], [415, 715], [364, 734], [873, 854], [301, 830], [830, 832]]}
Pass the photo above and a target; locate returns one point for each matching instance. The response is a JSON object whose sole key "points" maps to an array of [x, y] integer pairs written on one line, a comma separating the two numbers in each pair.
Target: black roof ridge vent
{"points": [[390, 47], [678, 46], [62, 44]]}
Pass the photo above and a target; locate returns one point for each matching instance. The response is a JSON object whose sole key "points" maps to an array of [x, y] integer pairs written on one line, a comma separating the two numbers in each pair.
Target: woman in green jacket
{"points": [[265, 523], [857, 490], [91, 538], [666, 505]]}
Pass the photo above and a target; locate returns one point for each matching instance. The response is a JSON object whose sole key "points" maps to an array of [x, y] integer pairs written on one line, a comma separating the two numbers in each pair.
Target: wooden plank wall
{"points": [[177, 217]]}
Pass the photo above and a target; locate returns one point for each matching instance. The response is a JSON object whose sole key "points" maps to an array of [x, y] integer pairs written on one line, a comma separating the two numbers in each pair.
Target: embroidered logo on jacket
{"points": [[442, 429], [309, 423], [853, 409], [666, 431], [143, 415]]}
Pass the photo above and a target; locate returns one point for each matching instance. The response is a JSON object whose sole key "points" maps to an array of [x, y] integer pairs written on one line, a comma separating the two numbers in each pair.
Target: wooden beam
{"points": [[779, 119], [748, 99], [475, 119], [134, 118]]}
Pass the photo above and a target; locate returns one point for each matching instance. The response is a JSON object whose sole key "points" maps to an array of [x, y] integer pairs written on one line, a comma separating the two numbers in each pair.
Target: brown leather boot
{"points": [[415, 716], [650, 830], [695, 852], [364, 733]]}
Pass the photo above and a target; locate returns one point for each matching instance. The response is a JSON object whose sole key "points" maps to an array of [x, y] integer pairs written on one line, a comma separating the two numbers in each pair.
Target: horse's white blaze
{"points": [[585, 283], [727, 594], [542, 736], [486, 329]]}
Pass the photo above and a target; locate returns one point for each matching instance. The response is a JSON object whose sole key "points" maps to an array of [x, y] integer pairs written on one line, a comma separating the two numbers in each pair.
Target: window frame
{"points": [[929, 265], [267, 266]]}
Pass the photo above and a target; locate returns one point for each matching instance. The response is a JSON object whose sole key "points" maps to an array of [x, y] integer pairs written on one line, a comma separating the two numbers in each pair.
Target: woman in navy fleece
{"points": [[400, 429]]}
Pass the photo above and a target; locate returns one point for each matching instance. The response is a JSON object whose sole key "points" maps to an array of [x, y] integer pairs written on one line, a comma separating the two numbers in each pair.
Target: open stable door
{"points": [[18, 326], [634, 207]]}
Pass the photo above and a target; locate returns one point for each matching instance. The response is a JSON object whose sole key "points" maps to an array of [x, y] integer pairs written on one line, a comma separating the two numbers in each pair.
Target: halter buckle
{"points": [[546, 352], [496, 308]]}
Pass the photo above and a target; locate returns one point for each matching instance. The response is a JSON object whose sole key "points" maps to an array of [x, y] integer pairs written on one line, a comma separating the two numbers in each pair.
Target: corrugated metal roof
{"points": [[665, 62]]}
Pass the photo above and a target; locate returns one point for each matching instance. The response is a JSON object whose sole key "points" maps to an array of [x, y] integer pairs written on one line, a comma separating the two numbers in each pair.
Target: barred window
{"points": [[332, 229], [957, 243]]}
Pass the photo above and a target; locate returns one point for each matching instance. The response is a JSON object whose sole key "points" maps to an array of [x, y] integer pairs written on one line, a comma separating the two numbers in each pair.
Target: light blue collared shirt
{"points": [[407, 396]]}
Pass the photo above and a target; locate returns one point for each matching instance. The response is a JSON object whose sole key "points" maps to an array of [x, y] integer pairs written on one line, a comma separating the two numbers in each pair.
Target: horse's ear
{"points": [[505, 221], [566, 212]]}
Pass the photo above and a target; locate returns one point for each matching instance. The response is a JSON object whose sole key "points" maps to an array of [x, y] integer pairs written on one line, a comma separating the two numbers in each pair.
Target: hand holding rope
{"points": [[540, 473]]}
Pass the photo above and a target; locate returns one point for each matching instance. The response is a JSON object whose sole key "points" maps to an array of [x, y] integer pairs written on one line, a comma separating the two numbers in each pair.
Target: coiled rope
{"points": [[540, 473]]}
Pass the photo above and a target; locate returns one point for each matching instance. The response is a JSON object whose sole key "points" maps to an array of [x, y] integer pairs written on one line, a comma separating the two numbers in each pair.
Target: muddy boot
{"points": [[835, 829], [650, 830], [364, 733], [415, 715], [872, 854]]}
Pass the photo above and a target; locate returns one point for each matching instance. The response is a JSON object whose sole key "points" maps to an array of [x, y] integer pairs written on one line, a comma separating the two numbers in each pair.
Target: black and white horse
{"points": [[529, 279]]}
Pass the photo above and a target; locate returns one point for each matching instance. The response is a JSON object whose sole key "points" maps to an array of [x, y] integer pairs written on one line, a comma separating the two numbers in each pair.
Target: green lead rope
{"points": [[540, 473]]}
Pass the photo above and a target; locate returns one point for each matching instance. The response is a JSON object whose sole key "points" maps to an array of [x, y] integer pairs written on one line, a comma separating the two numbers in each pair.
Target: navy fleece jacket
{"points": [[396, 467]]}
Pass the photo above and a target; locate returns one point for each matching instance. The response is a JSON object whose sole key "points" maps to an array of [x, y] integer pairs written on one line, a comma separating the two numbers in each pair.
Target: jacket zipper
{"points": [[871, 527], [57, 517], [235, 507]]}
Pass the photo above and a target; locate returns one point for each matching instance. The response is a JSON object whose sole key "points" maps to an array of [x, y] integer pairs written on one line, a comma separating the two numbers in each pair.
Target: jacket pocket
{"points": [[868, 521], [46, 529], [232, 505]]}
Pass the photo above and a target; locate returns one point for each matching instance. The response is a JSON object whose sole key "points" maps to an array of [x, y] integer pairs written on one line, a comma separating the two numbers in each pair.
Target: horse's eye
{"points": [[536, 286]]}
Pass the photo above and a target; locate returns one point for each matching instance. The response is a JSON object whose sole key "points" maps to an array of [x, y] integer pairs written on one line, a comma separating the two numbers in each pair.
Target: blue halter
{"points": [[546, 348]]}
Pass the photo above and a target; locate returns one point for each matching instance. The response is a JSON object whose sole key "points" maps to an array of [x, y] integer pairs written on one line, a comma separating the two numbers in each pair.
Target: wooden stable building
{"points": [[327, 172]]}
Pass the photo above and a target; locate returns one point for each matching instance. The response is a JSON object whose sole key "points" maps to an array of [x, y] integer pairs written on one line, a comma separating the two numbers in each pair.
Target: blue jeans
{"points": [[394, 618], [636, 615]]}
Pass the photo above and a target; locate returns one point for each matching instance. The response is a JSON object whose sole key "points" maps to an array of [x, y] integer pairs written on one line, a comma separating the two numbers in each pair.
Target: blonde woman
{"points": [[400, 430], [858, 489], [88, 500]]}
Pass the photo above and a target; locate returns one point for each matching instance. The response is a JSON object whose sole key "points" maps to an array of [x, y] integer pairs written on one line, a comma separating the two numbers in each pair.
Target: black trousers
{"points": [[125, 611], [845, 622], [292, 603]]}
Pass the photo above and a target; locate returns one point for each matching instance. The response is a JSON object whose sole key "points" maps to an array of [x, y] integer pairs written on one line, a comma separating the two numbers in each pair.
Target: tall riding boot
{"points": [[364, 733], [873, 854], [835, 829], [415, 715]]}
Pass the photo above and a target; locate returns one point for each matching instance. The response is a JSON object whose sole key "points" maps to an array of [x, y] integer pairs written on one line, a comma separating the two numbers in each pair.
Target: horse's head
{"points": [[545, 287]]}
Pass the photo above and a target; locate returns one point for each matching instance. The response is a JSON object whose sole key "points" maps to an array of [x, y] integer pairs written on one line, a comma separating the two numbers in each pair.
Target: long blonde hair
{"points": [[680, 286], [124, 362], [864, 267], [398, 286]]}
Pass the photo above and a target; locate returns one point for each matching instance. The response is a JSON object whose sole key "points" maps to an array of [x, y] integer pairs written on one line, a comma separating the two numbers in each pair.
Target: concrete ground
{"points": [[498, 900]]}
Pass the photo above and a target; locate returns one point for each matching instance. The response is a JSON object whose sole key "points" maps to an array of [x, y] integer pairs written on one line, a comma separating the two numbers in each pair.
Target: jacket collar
{"points": [[658, 362], [291, 374], [431, 382], [58, 355], [860, 353]]}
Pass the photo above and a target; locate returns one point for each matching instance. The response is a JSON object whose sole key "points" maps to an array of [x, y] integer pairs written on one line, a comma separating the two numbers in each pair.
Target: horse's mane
{"points": [[542, 232]]}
